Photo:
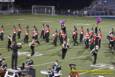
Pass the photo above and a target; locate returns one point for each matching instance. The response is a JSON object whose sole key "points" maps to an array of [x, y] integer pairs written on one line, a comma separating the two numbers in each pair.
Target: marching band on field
{"points": [[90, 38]]}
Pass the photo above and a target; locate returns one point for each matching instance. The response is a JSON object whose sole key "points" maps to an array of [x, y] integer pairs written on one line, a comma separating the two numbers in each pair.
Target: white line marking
{"points": [[46, 21], [83, 24], [59, 61], [19, 19]]}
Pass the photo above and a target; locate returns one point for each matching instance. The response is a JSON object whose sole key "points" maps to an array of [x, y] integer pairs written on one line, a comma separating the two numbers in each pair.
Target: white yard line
{"points": [[20, 19], [46, 21], [83, 24], [58, 60], [90, 70]]}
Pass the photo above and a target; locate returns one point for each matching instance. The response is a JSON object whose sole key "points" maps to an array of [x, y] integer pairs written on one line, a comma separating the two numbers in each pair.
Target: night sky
{"points": [[60, 4]]}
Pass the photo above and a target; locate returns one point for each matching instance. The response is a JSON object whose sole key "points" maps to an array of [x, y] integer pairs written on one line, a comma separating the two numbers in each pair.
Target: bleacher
{"points": [[102, 7]]}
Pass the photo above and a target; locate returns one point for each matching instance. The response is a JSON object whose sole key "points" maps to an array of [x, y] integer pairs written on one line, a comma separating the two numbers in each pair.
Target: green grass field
{"points": [[76, 54]]}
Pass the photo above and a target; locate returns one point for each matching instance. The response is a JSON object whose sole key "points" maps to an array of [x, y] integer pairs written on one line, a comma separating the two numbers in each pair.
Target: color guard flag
{"points": [[98, 20], [62, 21]]}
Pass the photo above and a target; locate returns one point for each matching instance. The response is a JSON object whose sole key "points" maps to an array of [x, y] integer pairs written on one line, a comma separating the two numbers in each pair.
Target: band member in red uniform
{"points": [[35, 34], [96, 29], [63, 27], [60, 37], [91, 33], [55, 38], [111, 39], [26, 38], [113, 31], [47, 33], [100, 37], [87, 36], [43, 32], [9, 42], [92, 42], [74, 36], [14, 33], [19, 31], [96, 39], [64, 36], [32, 47], [2, 33], [64, 49], [112, 42], [81, 34]]}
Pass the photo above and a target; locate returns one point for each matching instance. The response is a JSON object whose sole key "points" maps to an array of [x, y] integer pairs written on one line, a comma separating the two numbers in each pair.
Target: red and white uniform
{"points": [[112, 38], [47, 30], [34, 33], [91, 33], [14, 30], [19, 29], [92, 41], [100, 35], [87, 35], [74, 34], [81, 31], [26, 33], [1, 30]]}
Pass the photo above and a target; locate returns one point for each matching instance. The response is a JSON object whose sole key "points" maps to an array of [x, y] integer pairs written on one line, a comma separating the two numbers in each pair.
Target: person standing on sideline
{"points": [[14, 59]]}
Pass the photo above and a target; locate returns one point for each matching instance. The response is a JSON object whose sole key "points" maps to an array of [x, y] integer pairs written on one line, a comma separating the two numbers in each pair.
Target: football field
{"points": [[49, 53]]}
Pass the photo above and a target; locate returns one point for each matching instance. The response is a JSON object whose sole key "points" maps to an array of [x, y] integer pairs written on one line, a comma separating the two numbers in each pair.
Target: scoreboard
{"points": [[7, 0]]}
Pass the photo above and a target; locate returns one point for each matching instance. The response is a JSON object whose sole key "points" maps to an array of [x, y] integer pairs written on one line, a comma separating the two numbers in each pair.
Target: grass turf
{"points": [[77, 54]]}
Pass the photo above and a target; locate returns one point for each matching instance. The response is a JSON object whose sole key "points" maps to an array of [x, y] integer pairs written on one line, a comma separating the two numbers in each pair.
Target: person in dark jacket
{"points": [[14, 59]]}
